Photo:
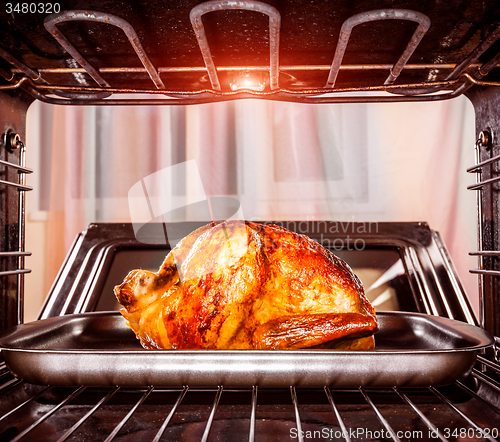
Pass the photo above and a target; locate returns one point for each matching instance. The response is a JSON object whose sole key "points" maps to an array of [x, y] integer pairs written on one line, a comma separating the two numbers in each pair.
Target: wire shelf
{"points": [[344, 422]]}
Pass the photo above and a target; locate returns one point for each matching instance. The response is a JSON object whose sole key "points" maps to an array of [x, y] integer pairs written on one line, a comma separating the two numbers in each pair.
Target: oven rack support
{"points": [[342, 427], [487, 171], [11, 142], [456, 83]]}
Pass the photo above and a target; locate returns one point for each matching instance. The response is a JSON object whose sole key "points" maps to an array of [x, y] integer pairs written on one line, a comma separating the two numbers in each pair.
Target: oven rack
{"points": [[35, 81], [46, 404]]}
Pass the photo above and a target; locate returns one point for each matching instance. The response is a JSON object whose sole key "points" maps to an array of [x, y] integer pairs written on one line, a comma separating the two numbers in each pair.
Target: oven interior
{"points": [[181, 53]]}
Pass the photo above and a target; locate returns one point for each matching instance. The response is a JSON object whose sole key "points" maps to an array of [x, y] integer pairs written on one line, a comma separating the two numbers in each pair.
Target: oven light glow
{"points": [[247, 80]]}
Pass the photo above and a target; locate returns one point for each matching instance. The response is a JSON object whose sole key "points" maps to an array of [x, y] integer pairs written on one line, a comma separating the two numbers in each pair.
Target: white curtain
{"points": [[282, 161]]}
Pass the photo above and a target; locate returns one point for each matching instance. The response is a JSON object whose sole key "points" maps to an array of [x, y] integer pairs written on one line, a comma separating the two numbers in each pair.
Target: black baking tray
{"points": [[99, 349]]}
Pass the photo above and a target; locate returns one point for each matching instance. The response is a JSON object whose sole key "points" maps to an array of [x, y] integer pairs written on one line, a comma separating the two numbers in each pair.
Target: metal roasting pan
{"points": [[98, 349]]}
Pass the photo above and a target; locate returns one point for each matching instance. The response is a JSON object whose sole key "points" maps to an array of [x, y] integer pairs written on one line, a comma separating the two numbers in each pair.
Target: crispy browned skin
{"points": [[241, 285]]}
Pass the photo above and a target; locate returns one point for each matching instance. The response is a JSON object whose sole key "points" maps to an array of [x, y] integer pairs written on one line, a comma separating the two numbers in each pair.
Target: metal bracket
{"points": [[53, 20], [496, 350], [11, 141], [219, 5], [484, 139], [424, 24]]}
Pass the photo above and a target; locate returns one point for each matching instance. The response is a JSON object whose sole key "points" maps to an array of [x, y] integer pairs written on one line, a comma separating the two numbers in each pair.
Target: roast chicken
{"points": [[242, 285]]}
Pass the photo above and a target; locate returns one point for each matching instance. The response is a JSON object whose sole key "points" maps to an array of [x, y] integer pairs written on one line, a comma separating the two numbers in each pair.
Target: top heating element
{"points": [[191, 52]]}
